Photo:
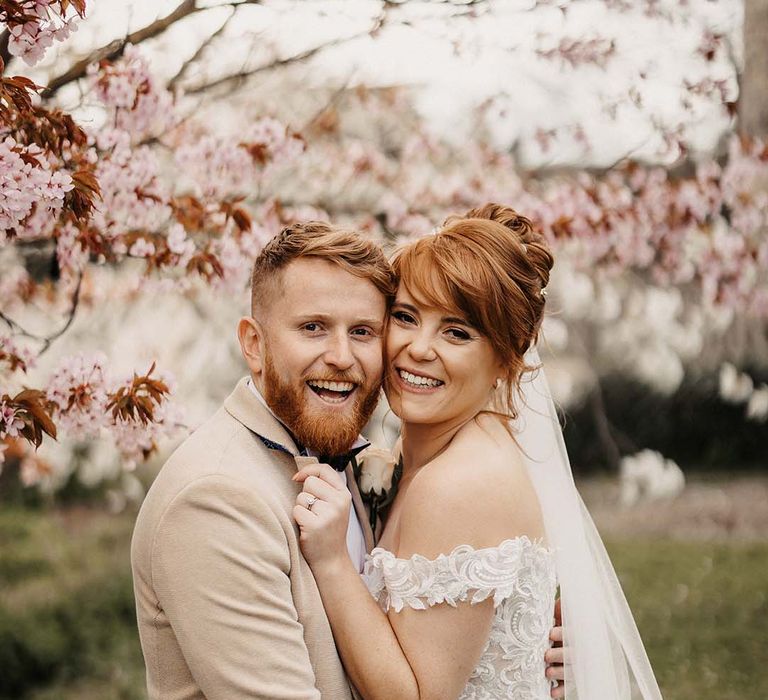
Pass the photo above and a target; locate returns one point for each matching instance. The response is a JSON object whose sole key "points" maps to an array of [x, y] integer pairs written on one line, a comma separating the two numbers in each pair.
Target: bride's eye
{"points": [[458, 334], [403, 317]]}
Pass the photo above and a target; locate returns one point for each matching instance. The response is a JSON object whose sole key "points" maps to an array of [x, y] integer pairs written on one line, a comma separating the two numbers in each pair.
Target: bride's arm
{"points": [[368, 648], [431, 655], [419, 654]]}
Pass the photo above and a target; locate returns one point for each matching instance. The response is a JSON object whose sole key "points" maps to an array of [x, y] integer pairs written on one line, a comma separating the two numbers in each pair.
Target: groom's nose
{"points": [[338, 353]]}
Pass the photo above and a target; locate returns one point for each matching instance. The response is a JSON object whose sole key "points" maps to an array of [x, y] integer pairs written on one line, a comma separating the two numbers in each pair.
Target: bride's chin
{"points": [[415, 415]]}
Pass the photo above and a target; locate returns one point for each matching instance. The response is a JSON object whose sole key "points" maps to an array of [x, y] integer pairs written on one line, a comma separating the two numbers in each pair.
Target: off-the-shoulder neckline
{"points": [[537, 544]]}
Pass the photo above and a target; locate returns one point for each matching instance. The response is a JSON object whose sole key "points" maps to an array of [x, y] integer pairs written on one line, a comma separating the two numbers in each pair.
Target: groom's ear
{"points": [[251, 336]]}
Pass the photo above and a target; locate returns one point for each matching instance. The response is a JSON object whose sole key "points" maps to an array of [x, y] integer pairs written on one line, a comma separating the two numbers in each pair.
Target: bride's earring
{"points": [[498, 383]]}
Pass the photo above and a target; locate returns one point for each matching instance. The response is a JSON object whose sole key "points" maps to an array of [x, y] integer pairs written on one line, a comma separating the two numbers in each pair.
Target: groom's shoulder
{"points": [[220, 450]]}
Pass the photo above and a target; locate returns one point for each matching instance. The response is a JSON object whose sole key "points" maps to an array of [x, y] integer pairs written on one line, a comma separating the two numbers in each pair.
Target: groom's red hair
{"points": [[358, 255]]}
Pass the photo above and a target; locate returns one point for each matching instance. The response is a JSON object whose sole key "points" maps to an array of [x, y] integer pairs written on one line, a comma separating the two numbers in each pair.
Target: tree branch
{"points": [[185, 66], [47, 340], [5, 54], [115, 49], [238, 77]]}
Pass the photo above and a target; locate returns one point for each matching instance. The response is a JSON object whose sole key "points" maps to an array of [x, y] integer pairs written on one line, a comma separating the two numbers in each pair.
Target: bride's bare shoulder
{"points": [[476, 492]]}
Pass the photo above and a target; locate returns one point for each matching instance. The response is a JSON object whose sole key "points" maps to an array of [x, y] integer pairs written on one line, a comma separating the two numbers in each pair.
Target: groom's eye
{"points": [[311, 327]]}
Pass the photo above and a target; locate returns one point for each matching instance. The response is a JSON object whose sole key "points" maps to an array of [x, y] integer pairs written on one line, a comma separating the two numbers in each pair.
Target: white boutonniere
{"points": [[377, 465]]}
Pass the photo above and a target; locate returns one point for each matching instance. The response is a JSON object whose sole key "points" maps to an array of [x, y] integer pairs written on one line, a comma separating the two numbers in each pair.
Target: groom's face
{"points": [[320, 352]]}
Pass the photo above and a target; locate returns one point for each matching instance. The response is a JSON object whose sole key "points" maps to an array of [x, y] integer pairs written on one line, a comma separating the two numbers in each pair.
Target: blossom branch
{"points": [[200, 50], [115, 49], [5, 54], [47, 340], [235, 79]]}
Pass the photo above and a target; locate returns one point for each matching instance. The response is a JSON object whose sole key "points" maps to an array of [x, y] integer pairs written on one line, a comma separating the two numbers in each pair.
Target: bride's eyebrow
{"points": [[407, 307], [456, 319], [444, 319]]}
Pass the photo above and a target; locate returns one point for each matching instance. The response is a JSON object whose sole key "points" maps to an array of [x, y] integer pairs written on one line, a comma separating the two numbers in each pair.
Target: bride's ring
{"points": [[312, 500]]}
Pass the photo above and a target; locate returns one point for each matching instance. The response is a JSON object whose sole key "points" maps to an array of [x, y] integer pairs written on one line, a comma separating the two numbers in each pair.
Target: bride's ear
{"points": [[251, 337]]}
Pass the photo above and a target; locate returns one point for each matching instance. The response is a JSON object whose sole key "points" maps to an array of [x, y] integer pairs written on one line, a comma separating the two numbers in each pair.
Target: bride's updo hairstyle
{"points": [[491, 265]]}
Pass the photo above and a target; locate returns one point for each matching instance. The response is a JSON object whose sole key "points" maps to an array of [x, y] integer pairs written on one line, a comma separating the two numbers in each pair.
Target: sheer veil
{"points": [[605, 657]]}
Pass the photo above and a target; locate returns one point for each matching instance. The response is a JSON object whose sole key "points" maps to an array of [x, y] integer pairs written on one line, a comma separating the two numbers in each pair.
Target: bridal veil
{"points": [[605, 657]]}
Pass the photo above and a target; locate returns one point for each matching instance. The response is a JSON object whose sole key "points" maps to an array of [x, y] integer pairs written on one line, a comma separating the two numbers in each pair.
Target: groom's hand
{"points": [[322, 514], [555, 656]]}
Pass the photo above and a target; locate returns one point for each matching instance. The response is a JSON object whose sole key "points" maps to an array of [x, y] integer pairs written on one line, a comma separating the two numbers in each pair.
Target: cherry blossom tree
{"points": [[134, 191]]}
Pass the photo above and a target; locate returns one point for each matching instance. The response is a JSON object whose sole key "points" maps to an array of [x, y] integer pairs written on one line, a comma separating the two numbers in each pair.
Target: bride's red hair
{"points": [[490, 265]]}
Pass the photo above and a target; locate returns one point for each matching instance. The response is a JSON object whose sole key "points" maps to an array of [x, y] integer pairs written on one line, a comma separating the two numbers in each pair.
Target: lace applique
{"points": [[519, 574], [419, 582]]}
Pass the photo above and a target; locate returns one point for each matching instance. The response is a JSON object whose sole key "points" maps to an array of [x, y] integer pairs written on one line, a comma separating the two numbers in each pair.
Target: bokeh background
{"points": [[634, 133]]}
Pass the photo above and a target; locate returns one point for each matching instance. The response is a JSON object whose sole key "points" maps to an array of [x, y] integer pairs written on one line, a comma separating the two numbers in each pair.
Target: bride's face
{"points": [[439, 369]]}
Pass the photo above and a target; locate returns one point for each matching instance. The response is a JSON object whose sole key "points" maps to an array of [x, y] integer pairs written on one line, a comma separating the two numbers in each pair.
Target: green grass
{"points": [[67, 627], [702, 610], [67, 621]]}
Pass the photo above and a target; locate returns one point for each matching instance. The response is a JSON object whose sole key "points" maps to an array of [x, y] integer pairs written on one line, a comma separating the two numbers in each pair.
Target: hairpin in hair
{"points": [[544, 292]]}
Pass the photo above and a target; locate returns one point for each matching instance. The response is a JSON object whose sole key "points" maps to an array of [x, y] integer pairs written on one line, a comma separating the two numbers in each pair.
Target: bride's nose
{"points": [[421, 347]]}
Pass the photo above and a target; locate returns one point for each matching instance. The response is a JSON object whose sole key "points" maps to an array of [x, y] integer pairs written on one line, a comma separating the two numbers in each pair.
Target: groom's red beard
{"points": [[326, 433]]}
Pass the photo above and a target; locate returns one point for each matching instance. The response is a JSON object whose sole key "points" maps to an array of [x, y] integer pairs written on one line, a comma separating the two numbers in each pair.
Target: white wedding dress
{"points": [[519, 575]]}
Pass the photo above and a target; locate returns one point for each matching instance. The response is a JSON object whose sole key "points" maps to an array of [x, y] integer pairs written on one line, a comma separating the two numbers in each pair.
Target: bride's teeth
{"points": [[417, 380]]}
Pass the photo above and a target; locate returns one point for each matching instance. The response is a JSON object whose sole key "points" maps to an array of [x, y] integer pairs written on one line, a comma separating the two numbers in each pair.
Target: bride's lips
{"points": [[405, 385]]}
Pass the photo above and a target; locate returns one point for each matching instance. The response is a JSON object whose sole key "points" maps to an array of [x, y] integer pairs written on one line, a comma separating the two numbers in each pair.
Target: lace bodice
{"points": [[520, 576]]}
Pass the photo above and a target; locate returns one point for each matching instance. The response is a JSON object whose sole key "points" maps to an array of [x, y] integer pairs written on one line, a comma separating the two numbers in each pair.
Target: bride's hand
{"points": [[555, 656], [322, 513]]}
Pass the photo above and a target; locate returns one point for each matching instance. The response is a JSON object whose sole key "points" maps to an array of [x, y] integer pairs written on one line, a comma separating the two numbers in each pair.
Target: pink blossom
{"points": [[142, 248], [31, 470], [70, 255], [134, 439], [134, 197], [29, 40], [78, 388], [138, 104], [232, 166], [10, 423], [9, 346], [29, 187]]}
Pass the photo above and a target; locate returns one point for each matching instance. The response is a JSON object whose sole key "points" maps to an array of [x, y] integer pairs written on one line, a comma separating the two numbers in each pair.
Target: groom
{"points": [[227, 607]]}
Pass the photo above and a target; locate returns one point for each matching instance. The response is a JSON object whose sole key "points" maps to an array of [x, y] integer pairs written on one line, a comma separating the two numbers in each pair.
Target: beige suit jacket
{"points": [[227, 606]]}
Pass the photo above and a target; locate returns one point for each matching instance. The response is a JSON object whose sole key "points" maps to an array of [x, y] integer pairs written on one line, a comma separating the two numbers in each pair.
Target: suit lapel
{"points": [[246, 408], [243, 405]]}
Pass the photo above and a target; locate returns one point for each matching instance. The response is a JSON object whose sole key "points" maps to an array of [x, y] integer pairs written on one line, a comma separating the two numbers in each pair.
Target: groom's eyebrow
{"points": [[364, 321]]}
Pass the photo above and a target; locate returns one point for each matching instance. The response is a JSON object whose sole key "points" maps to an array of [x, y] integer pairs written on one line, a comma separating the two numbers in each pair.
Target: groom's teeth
{"points": [[333, 386], [417, 380]]}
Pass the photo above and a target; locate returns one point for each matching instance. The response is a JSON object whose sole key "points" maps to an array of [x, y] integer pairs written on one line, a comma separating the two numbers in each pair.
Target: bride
{"points": [[457, 599]]}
